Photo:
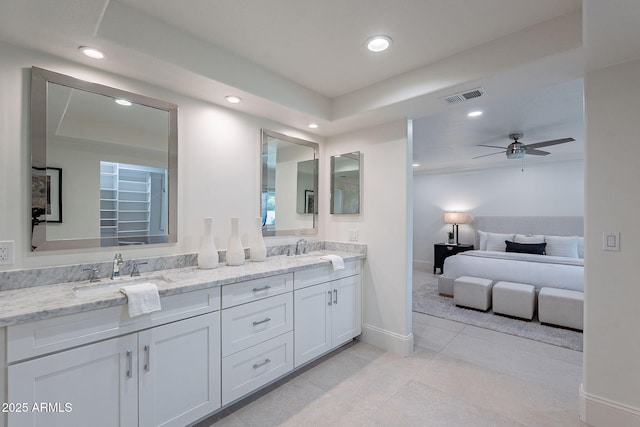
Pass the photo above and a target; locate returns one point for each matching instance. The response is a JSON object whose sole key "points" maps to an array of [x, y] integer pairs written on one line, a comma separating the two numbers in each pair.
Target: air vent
{"points": [[464, 96]]}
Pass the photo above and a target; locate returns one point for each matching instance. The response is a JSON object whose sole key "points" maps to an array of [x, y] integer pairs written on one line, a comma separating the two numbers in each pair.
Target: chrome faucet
{"points": [[93, 274], [304, 247], [135, 271], [117, 262]]}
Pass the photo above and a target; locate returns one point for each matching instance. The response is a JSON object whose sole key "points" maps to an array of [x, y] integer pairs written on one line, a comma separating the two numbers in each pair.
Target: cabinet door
{"points": [[312, 322], [98, 381], [179, 367], [346, 310]]}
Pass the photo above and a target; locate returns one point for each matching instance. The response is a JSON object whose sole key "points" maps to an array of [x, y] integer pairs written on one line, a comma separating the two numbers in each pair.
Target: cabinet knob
{"points": [[449, 248]]}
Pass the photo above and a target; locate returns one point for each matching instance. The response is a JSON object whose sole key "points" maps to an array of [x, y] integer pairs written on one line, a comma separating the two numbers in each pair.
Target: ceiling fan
{"points": [[517, 150]]}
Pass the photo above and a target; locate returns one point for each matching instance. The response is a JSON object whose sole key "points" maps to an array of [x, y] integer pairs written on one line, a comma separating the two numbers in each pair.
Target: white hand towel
{"points": [[336, 261], [142, 298]]}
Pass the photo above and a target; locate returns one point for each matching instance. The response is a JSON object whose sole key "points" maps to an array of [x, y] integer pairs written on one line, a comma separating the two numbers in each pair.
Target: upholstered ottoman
{"points": [[514, 299], [445, 285], [472, 292], [561, 307]]}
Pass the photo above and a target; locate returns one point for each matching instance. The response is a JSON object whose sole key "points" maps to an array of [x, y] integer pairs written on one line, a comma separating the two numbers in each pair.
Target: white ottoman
{"points": [[561, 307], [445, 285], [514, 299], [472, 292]]}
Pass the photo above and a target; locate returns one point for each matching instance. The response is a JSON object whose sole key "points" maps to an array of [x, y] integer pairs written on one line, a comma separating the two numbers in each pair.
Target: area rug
{"points": [[427, 300]]}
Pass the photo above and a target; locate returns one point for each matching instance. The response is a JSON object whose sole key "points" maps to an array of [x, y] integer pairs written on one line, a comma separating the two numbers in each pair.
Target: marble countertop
{"points": [[43, 302]]}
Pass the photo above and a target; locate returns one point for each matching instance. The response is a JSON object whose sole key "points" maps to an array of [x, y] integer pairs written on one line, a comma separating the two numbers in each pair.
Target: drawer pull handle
{"points": [[147, 363], [267, 319], [129, 363], [335, 296], [257, 365], [264, 288], [329, 303], [449, 248]]}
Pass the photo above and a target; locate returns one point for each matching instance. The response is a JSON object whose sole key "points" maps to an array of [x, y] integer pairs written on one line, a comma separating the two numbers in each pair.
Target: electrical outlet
{"points": [[6, 252], [353, 235]]}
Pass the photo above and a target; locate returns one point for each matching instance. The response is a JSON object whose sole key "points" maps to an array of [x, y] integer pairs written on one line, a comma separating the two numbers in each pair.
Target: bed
{"points": [[561, 268]]}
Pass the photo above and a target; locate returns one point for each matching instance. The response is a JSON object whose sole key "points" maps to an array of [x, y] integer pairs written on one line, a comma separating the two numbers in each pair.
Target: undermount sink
{"points": [[307, 255], [109, 286]]}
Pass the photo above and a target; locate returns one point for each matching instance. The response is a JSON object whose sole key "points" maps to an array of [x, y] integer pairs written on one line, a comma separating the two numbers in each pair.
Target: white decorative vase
{"points": [[235, 251], [208, 253], [258, 250]]}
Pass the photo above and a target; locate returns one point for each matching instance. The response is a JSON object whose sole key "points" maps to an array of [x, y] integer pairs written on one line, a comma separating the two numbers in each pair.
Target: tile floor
{"points": [[459, 375]]}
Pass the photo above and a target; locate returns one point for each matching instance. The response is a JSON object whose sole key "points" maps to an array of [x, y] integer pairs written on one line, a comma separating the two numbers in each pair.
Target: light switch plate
{"points": [[611, 241]]}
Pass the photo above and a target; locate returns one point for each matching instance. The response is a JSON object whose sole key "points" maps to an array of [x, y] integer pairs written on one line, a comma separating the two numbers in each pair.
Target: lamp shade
{"points": [[456, 218]]}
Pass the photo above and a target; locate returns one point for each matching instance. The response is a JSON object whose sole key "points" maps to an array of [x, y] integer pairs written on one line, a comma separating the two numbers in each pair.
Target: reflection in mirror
{"points": [[345, 183], [289, 185], [118, 152]]}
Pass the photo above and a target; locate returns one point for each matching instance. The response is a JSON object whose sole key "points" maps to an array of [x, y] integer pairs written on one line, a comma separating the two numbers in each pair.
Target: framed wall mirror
{"points": [[345, 183], [289, 185], [104, 165]]}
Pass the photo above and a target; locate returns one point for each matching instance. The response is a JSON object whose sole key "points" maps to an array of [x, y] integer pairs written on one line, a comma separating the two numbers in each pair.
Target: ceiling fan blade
{"points": [[535, 152], [491, 146], [548, 143], [492, 154]]}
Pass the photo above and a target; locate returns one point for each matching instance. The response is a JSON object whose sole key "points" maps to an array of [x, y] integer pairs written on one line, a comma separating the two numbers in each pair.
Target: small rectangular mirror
{"points": [[345, 183]]}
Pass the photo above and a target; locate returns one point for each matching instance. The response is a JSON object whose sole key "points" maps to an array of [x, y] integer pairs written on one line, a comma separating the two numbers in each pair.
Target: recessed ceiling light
{"points": [[123, 102], [233, 99], [378, 43], [313, 126], [91, 52], [474, 114], [415, 165]]}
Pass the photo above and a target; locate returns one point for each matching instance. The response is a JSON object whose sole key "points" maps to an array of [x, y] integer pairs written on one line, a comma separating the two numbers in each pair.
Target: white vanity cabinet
{"points": [[328, 312], [166, 375], [257, 334]]}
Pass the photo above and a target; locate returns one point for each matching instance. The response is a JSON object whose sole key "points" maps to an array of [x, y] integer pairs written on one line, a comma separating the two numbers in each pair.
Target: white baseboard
{"points": [[599, 412], [387, 340]]}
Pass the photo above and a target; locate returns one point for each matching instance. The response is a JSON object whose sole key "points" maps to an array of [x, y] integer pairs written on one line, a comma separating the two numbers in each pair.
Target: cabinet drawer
{"points": [[252, 290], [249, 324], [48, 335], [248, 370], [304, 278]]}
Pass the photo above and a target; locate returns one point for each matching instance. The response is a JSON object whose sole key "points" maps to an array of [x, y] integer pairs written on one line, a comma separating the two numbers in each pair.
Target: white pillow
{"points": [[528, 238], [581, 247], [495, 242], [482, 240], [562, 246]]}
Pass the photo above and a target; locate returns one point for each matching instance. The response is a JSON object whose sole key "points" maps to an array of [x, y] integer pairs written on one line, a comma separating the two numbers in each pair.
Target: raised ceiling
{"points": [[300, 61]]}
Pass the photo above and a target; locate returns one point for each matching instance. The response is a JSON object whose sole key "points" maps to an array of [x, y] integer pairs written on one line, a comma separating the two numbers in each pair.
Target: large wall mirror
{"points": [[345, 183], [289, 185], [104, 165]]}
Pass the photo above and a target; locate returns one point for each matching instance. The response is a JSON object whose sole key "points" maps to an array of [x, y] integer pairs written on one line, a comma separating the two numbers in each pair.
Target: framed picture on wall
{"points": [[309, 201], [49, 191]]}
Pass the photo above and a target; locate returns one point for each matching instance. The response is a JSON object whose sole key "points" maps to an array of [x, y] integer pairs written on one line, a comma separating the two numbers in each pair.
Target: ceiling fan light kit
{"points": [[517, 150]]}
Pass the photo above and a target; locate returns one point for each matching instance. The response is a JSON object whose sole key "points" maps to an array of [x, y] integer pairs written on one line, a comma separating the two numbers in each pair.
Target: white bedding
{"points": [[537, 270]]}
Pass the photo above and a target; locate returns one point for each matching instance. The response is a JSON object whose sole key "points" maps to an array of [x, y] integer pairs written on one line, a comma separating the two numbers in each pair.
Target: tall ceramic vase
{"points": [[207, 252], [258, 250], [235, 251]]}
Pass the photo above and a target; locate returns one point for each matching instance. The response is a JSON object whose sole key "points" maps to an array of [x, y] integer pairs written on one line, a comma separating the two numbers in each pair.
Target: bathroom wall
{"points": [[545, 189], [383, 224], [219, 163]]}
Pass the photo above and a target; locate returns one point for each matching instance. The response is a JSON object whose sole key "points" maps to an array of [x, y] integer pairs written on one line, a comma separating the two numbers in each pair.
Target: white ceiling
{"points": [[301, 61]]}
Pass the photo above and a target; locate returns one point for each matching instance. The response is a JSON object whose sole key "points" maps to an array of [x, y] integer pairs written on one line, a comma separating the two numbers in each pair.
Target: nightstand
{"points": [[444, 250]]}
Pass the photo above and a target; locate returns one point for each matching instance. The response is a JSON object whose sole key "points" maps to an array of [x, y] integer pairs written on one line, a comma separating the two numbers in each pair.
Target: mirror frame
{"points": [[332, 183], [39, 80], [264, 135]]}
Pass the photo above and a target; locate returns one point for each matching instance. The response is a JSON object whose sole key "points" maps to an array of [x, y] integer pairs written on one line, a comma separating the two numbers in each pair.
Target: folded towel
{"points": [[336, 261], [142, 298]]}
